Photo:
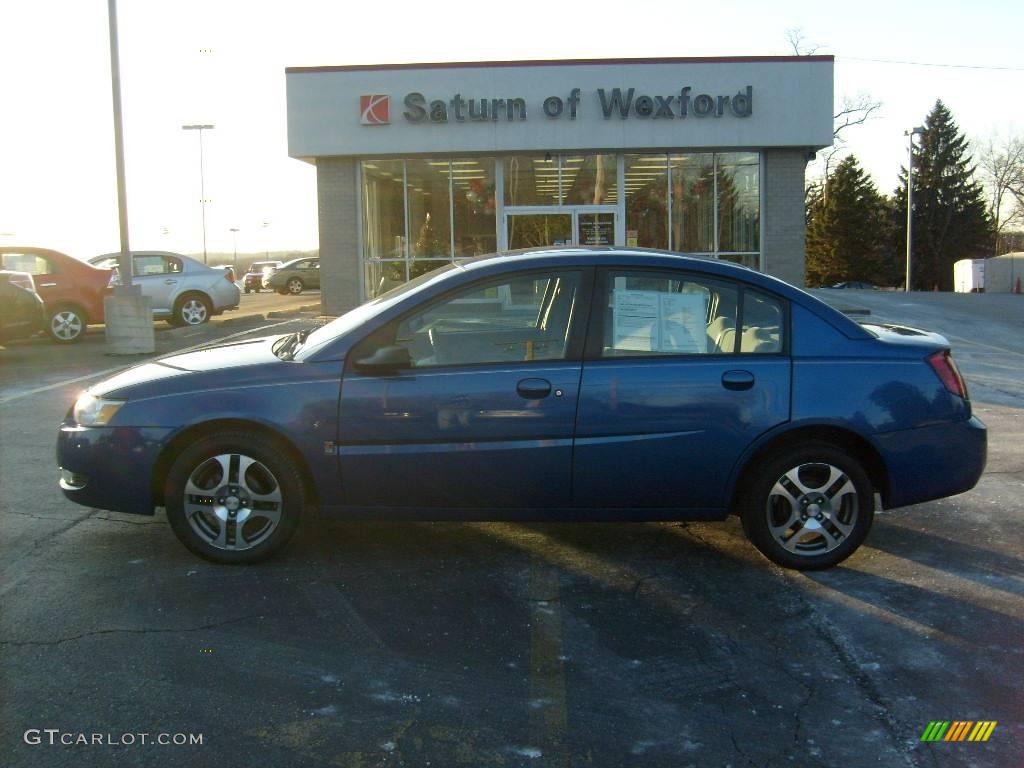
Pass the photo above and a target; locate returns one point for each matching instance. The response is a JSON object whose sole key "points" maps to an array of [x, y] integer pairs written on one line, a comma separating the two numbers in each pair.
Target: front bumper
{"points": [[110, 467], [933, 462]]}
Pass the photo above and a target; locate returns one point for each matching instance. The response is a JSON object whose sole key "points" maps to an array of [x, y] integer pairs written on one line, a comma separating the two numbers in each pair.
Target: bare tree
{"points": [[854, 110], [1002, 167], [797, 41]]}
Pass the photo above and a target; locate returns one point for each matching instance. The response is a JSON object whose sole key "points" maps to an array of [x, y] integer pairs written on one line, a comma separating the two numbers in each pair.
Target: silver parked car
{"points": [[181, 290]]}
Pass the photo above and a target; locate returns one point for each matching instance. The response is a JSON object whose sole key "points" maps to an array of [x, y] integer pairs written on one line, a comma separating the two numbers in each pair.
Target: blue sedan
{"points": [[569, 384]]}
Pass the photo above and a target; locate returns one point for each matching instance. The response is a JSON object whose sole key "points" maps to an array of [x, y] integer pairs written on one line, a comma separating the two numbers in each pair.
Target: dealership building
{"points": [[421, 164]]}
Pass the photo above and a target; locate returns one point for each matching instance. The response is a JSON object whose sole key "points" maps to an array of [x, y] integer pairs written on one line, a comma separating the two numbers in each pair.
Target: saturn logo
{"points": [[375, 110]]}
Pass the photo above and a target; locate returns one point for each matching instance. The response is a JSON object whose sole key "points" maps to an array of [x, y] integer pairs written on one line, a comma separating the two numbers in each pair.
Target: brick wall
{"points": [[782, 235], [339, 234]]}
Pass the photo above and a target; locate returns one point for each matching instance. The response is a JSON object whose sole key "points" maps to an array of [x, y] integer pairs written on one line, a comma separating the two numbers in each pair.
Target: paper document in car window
{"points": [[654, 321]]}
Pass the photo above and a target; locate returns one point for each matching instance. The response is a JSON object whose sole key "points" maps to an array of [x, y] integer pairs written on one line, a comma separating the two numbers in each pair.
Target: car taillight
{"points": [[944, 367]]}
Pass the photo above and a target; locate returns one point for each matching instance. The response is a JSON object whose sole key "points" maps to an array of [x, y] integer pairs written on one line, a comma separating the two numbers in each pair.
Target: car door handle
{"points": [[170, 282], [47, 285], [737, 380], [534, 389]]}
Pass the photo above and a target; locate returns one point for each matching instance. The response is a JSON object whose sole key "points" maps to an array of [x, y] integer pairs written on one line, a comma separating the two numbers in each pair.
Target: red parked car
{"points": [[72, 290]]}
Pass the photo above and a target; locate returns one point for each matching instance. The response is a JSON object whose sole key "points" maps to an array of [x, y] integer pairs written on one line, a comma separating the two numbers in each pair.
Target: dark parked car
{"points": [[550, 385], [294, 276], [72, 290], [258, 272], [22, 312]]}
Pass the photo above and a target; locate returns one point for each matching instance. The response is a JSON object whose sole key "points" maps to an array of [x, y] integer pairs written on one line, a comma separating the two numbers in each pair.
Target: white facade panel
{"points": [[790, 105]]}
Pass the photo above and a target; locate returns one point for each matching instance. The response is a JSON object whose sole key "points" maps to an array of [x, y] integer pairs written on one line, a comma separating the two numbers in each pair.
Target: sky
{"points": [[221, 62]]}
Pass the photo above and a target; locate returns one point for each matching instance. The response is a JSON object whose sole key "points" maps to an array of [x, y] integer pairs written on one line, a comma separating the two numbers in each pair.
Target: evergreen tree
{"points": [[846, 232], [950, 217]]}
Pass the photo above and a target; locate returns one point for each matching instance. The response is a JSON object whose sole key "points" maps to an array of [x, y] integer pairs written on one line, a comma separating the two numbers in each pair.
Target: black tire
{"points": [[247, 290], [808, 508], [192, 309], [294, 286], [227, 523], [66, 324]]}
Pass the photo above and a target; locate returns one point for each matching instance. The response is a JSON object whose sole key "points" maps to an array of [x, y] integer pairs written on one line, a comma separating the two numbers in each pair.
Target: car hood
{"points": [[250, 352]]}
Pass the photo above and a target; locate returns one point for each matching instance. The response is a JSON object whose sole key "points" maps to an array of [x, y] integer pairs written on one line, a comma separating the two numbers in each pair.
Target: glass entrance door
{"points": [[595, 228], [532, 230], [535, 229]]}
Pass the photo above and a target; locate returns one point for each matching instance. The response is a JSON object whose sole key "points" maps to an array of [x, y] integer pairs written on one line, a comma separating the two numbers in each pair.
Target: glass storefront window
{"points": [[531, 180], [589, 180], [418, 214], [474, 204], [383, 210], [646, 187], [383, 225], [693, 203], [430, 232], [738, 202]]}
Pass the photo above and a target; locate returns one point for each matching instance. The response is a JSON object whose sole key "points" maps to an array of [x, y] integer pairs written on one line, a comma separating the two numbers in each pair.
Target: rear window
{"points": [[32, 263]]}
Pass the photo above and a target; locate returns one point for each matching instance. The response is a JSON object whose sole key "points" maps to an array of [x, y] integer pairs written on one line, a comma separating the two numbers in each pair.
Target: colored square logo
{"points": [[375, 109]]}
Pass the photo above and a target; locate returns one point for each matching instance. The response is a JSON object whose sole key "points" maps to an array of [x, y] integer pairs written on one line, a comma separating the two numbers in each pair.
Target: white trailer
{"points": [[969, 276]]}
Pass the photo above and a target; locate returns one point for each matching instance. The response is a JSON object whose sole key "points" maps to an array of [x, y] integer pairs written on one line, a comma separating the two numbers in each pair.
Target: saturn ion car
{"points": [[560, 385]]}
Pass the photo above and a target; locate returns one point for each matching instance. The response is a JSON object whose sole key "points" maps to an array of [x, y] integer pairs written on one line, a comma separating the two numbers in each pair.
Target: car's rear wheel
{"points": [[295, 286], [66, 324], [808, 508], [234, 498], [192, 309]]}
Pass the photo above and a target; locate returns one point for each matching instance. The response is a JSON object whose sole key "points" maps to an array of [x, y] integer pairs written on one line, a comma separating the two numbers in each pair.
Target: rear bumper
{"points": [[110, 467], [933, 462]]}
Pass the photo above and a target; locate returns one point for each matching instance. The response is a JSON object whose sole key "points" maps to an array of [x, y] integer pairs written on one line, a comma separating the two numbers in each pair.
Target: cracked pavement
{"points": [[499, 644]]}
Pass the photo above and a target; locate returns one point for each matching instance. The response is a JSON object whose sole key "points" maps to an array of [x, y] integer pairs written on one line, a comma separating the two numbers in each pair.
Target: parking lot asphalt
{"points": [[444, 644]]}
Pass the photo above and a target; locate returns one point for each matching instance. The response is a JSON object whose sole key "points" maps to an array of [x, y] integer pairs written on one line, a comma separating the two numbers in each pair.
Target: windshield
{"points": [[356, 317]]}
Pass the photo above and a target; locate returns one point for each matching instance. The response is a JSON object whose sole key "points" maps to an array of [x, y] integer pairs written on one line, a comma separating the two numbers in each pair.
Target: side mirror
{"points": [[385, 359]]}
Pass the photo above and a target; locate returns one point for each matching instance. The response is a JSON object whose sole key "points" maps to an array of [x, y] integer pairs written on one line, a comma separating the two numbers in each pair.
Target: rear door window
{"points": [[652, 313]]}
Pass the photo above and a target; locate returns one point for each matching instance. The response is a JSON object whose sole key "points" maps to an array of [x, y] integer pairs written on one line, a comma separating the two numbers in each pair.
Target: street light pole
{"points": [[916, 131], [234, 237], [202, 181]]}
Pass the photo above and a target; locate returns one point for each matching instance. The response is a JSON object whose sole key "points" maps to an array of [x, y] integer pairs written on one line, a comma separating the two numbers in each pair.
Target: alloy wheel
{"points": [[66, 325], [812, 509], [193, 311], [233, 502]]}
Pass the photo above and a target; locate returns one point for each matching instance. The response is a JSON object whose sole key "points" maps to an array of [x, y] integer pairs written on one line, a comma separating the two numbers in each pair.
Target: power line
{"points": [[932, 64]]}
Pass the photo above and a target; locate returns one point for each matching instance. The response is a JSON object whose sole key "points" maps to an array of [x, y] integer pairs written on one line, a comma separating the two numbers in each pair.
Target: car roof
{"points": [[299, 258], [35, 250], [60, 255], [183, 257]]}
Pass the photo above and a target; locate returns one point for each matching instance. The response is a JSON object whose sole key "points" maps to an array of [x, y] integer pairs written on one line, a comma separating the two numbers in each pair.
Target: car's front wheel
{"points": [[234, 498], [192, 309], [295, 286], [66, 325], [808, 508]]}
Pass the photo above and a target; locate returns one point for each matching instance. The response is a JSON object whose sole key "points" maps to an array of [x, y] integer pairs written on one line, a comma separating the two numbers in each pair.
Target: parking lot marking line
{"points": [[107, 371]]}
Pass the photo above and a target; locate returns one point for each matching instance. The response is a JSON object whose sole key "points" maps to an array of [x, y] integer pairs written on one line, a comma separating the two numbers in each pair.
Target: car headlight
{"points": [[93, 411]]}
